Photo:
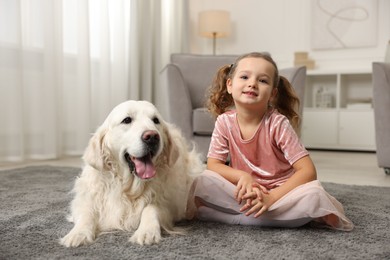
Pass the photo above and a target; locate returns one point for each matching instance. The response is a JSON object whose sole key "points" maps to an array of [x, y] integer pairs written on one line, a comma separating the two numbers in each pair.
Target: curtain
{"points": [[65, 64]]}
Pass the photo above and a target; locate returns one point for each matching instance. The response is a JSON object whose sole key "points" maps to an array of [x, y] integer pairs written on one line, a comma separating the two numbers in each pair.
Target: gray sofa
{"points": [[381, 100], [184, 83]]}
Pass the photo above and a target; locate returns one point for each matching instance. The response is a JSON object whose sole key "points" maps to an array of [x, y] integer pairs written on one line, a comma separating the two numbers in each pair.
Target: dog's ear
{"points": [[171, 149], [97, 153]]}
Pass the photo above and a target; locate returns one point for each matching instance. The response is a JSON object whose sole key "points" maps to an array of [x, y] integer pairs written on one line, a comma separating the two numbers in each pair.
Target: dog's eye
{"points": [[127, 120], [156, 120]]}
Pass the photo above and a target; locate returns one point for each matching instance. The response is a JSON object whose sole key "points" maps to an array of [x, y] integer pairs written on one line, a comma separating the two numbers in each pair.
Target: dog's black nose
{"points": [[151, 138]]}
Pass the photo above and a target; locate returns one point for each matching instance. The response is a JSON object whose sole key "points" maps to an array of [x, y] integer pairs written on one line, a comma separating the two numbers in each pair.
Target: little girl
{"points": [[270, 179]]}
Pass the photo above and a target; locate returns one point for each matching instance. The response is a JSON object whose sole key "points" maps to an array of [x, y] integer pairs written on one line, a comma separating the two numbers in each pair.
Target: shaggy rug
{"points": [[35, 200]]}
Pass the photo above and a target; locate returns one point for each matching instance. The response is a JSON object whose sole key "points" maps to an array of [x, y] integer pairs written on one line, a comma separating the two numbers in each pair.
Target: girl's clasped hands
{"points": [[255, 196]]}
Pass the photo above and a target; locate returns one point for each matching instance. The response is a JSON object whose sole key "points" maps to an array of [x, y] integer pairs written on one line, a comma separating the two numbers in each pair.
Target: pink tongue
{"points": [[144, 168]]}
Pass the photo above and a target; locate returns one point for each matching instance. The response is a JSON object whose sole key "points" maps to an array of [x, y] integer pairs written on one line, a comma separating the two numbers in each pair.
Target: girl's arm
{"points": [[241, 179], [305, 171], [224, 170]]}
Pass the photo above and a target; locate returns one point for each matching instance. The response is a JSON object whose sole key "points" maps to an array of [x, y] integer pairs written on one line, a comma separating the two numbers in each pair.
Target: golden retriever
{"points": [[137, 175]]}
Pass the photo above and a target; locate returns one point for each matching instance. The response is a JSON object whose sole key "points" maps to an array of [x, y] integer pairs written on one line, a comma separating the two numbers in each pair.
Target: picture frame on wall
{"points": [[342, 24]]}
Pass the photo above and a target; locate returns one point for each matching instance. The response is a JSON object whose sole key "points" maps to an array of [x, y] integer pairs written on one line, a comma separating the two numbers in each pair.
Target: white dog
{"points": [[137, 177]]}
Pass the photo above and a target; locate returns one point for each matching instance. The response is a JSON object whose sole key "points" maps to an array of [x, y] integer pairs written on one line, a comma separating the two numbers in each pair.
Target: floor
{"points": [[339, 167]]}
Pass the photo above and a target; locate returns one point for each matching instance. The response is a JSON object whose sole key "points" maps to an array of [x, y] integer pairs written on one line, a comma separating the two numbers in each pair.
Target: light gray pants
{"points": [[217, 196]]}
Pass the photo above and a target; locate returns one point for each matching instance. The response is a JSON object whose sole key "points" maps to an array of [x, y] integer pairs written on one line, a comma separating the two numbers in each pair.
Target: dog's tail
{"points": [[195, 160], [176, 230]]}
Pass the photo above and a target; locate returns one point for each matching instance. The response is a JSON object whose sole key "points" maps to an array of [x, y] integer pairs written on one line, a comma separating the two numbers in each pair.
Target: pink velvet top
{"points": [[268, 155]]}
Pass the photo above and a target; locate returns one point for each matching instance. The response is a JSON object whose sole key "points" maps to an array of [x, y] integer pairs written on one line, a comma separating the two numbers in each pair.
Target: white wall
{"points": [[282, 27]]}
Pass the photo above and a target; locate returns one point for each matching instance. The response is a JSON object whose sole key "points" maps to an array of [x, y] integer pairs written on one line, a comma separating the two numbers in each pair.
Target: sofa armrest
{"points": [[381, 102], [178, 103], [297, 78]]}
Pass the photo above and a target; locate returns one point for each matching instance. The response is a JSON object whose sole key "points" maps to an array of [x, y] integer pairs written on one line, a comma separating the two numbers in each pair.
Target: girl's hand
{"points": [[244, 186], [257, 206], [256, 192], [255, 197], [259, 188]]}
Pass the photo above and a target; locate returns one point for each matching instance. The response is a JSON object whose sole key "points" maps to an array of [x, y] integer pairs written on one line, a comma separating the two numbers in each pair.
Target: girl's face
{"points": [[252, 83]]}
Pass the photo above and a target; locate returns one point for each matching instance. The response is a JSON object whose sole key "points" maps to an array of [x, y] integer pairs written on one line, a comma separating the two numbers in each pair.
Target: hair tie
{"points": [[230, 68]]}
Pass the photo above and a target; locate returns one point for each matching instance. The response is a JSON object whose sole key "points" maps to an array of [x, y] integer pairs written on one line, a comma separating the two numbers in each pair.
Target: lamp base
{"points": [[214, 42]]}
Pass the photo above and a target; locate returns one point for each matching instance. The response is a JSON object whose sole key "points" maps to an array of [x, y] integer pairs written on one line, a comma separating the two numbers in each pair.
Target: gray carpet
{"points": [[34, 202]]}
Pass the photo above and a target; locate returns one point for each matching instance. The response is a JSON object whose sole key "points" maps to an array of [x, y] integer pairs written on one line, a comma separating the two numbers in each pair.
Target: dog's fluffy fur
{"points": [[137, 175]]}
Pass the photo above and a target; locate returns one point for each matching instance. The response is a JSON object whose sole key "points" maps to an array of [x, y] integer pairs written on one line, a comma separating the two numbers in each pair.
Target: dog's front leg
{"points": [[149, 229], [83, 233], [85, 226]]}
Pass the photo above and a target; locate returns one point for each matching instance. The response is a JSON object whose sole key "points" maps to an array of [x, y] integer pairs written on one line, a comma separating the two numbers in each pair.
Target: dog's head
{"points": [[134, 137]]}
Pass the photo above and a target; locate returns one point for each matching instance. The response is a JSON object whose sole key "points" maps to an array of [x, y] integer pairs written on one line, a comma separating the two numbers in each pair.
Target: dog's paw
{"points": [[147, 236], [75, 239]]}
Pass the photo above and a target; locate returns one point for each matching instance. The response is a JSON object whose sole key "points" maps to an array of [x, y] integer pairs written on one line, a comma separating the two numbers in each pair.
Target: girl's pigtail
{"points": [[219, 99], [287, 102]]}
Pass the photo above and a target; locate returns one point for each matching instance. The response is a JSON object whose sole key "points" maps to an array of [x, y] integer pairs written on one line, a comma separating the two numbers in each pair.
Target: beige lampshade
{"points": [[214, 23]]}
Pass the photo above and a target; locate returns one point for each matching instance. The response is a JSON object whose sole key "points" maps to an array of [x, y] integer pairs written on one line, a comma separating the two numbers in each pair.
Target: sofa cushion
{"points": [[202, 121]]}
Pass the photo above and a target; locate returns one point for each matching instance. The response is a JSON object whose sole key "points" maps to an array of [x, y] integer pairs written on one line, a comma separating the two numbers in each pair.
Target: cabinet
{"points": [[338, 111]]}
